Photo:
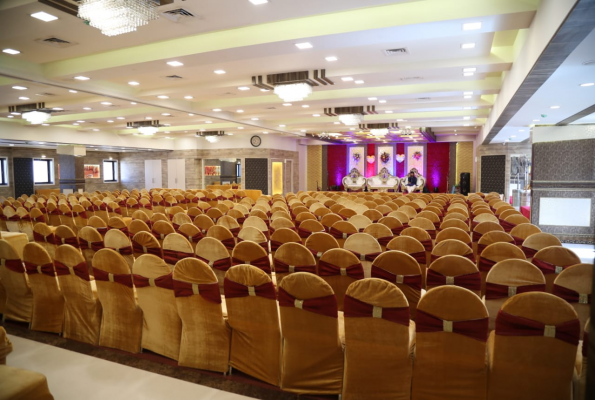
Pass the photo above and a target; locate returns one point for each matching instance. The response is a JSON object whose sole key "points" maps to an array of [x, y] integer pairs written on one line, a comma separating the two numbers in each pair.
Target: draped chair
{"points": [[574, 285], [455, 233], [65, 235], [161, 229], [82, 311], [47, 314], [90, 241], [552, 261], [450, 353], [44, 235], [215, 255], [414, 248], [214, 214], [159, 217], [175, 210], [422, 236], [381, 233], [230, 224], [175, 248], [393, 223], [506, 279], [328, 220], [120, 242], [136, 226], [224, 235], [258, 223], [53, 213], [402, 270], [379, 338], [408, 210], [303, 217], [454, 270], [282, 236], [13, 280], [145, 206], [533, 349], [251, 253], [372, 214], [281, 222], [513, 220], [122, 319], [66, 216], [158, 204], [254, 319], [293, 257], [162, 327], [341, 230], [491, 238], [365, 247], [538, 241], [99, 224], [481, 229], [452, 247], [458, 215], [118, 223], [424, 224], [308, 227], [312, 356], [203, 222], [318, 243], [580, 383], [522, 231], [360, 222], [205, 340], [486, 217], [79, 217], [193, 212], [192, 233], [142, 216], [339, 268]]}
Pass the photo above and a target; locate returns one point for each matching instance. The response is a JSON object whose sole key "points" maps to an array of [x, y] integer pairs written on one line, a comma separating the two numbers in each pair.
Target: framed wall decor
{"points": [[92, 171]]}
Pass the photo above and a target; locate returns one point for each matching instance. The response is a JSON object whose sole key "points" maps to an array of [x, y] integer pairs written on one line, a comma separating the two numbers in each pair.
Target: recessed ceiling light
{"points": [[303, 46], [465, 124], [467, 45], [73, 91], [163, 97], [388, 112], [19, 87], [254, 119], [400, 120], [133, 83], [536, 120], [372, 98], [359, 82], [81, 78], [467, 93], [208, 122], [58, 109], [81, 122], [470, 69], [165, 114], [216, 109], [258, 2], [148, 117], [264, 90], [122, 117], [555, 107], [466, 117], [110, 121], [12, 145], [240, 127], [15, 113], [191, 115], [23, 98], [219, 71], [133, 103], [468, 74], [587, 84], [287, 104], [382, 101], [43, 16], [75, 124], [512, 136], [11, 116], [466, 97], [331, 58], [106, 103], [471, 26], [265, 133], [129, 127], [305, 106], [95, 130], [347, 79], [336, 122], [281, 126], [243, 88], [316, 115], [239, 111], [175, 63], [188, 97], [11, 51]]}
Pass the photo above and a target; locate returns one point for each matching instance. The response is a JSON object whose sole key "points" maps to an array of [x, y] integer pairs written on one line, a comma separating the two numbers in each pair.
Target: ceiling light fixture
{"points": [[243, 88], [587, 84], [382, 101], [174, 63], [115, 17], [554, 107], [164, 114], [347, 79], [304, 45], [265, 133], [359, 82], [36, 117], [11, 51], [58, 109], [216, 109], [254, 119], [293, 91], [188, 97], [466, 117], [73, 91], [372, 98], [82, 78], [287, 104], [110, 121], [471, 26], [467, 93], [19, 87], [388, 112], [133, 103], [133, 83], [163, 97], [264, 90], [467, 46], [468, 74], [331, 58], [281, 126], [219, 71], [240, 111], [316, 115], [191, 115], [470, 69], [351, 119], [305, 106], [466, 97], [106, 103], [536, 120], [81, 122], [208, 122], [258, 2], [23, 98]]}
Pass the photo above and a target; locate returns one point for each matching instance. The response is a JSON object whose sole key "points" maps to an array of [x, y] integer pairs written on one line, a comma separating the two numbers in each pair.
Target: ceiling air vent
{"points": [[411, 78], [177, 14], [173, 77], [396, 52], [423, 98], [270, 108], [44, 94], [56, 42]]}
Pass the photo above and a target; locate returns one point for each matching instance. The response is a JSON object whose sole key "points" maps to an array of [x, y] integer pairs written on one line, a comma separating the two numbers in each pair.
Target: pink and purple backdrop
{"points": [[437, 164], [337, 167]]}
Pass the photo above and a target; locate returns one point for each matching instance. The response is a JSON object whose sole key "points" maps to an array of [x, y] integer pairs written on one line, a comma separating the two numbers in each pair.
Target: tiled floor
{"points": [[586, 252], [76, 376]]}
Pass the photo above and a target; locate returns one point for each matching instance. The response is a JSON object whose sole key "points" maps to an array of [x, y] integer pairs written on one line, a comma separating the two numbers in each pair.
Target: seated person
{"points": [[411, 182]]}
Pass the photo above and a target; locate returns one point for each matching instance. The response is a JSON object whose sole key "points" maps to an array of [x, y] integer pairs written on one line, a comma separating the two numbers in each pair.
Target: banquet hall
{"points": [[282, 199]]}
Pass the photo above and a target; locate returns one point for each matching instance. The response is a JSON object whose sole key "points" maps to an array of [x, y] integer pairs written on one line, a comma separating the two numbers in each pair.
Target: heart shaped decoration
{"points": [[371, 159], [400, 158]]}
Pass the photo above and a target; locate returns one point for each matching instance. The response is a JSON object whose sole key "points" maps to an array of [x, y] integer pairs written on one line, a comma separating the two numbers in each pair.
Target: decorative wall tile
{"points": [[493, 173], [23, 176], [464, 161], [257, 174], [314, 167]]}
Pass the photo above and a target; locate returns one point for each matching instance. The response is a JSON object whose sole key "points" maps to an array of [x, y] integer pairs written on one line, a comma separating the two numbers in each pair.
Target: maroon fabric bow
{"points": [[235, 231], [496, 291], [355, 308], [38, 237], [195, 238], [81, 270], [73, 241], [434, 257], [159, 203], [262, 263], [420, 257], [164, 281], [282, 267], [384, 241], [470, 281], [122, 279], [506, 225], [92, 208], [229, 243], [103, 207], [138, 248], [316, 253], [45, 269], [173, 256], [82, 214], [66, 214], [124, 251], [275, 244], [476, 236], [481, 248], [85, 245], [571, 296], [512, 325], [428, 245], [338, 234], [222, 265], [102, 230], [14, 265], [355, 271], [397, 231], [518, 241], [208, 291], [366, 257], [234, 290], [241, 220], [41, 218], [486, 264], [547, 268], [147, 206], [326, 305], [432, 233], [475, 328], [304, 233], [413, 281], [133, 206], [529, 252]]}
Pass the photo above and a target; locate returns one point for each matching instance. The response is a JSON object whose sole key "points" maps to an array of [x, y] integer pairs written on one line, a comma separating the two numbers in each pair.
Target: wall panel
{"points": [[314, 167], [257, 174], [438, 166]]}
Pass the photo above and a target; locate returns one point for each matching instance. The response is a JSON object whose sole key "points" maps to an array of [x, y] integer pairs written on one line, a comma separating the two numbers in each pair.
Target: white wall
{"points": [[560, 133]]}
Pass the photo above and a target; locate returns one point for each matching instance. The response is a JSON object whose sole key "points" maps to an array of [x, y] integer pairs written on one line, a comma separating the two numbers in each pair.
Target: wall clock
{"points": [[255, 141]]}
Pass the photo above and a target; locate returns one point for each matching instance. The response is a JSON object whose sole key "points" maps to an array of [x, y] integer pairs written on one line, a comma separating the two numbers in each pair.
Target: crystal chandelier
{"points": [[379, 132], [115, 17], [324, 135], [148, 130], [293, 92], [351, 119], [212, 139], [36, 117]]}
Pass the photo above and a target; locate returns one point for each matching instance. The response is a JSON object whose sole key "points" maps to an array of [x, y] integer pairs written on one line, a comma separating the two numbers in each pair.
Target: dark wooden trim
{"points": [[62, 5], [577, 116]]}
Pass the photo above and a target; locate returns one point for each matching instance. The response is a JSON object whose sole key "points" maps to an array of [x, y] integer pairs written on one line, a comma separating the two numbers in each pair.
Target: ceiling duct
{"points": [[396, 52], [177, 14]]}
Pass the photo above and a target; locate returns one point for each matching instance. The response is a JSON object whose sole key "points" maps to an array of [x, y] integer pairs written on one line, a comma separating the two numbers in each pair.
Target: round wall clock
{"points": [[255, 141]]}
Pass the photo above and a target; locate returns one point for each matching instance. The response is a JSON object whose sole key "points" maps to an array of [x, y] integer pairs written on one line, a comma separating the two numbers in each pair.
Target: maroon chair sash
{"points": [[92, 208], [475, 328], [529, 252], [209, 291], [282, 267], [316, 253], [234, 290], [45, 269], [38, 237], [173, 256], [73, 241], [122, 279], [481, 248], [506, 225], [222, 265], [164, 281], [470, 281], [41, 218], [338, 234], [158, 203], [354, 308], [432, 233], [66, 214], [518, 241], [235, 231], [548, 268], [383, 241], [413, 281], [82, 214], [486, 264], [103, 207], [81, 270], [476, 236], [195, 238], [138, 248], [366, 257], [85, 245], [496, 291], [241, 220], [326, 305], [102, 230], [355, 271], [420, 257], [434, 257], [124, 251], [275, 244], [147, 206], [229, 243], [428, 245], [570, 295], [15, 265], [512, 325], [262, 263], [397, 231]]}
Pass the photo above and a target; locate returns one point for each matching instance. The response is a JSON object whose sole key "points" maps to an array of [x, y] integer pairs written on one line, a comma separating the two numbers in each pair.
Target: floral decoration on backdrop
{"points": [[385, 157], [417, 155], [356, 157]]}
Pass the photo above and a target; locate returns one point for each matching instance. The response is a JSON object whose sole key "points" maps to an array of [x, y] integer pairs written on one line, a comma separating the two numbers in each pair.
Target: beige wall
{"points": [[314, 167]]}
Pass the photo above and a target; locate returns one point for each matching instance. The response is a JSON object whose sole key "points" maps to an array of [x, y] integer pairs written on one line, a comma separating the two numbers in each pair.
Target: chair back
{"points": [[44, 235], [522, 232], [161, 229], [491, 238], [253, 234], [425, 224], [90, 240], [258, 223], [318, 243], [281, 236], [251, 253], [293, 257], [420, 234], [454, 233], [454, 270], [537, 241], [175, 248], [552, 261], [120, 242], [339, 268], [146, 243], [574, 285], [341, 230], [365, 247], [452, 247], [360, 222], [65, 235]]}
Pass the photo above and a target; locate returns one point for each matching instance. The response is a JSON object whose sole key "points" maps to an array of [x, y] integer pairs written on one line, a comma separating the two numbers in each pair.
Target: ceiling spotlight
{"points": [[554, 107], [359, 82], [467, 93], [265, 133], [264, 90], [188, 97], [219, 71], [19, 87], [106, 103], [388, 112], [303, 46], [465, 124], [240, 111], [148, 117], [471, 26], [208, 122], [75, 124], [95, 130], [382, 101], [466, 97], [110, 121], [11, 116], [258, 2], [305, 106], [120, 118], [287, 104], [133, 103], [473, 69], [87, 108], [536, 120], [81, 122], [43, 16], [466, 117], [133, 83], [467, 45], [254, 119], [587, 84], [164, 114], [316, 115], [240, 127], [73, 91], [336, 123], [23, 98], [331, 58], [216, 109], [191, 115], [372, 98], [512, 136], [81, 78], [347, 79], [58, 109], [11, 51], [243, 88], [281, 126], [468, 74], [163, 97], [175, 63]]}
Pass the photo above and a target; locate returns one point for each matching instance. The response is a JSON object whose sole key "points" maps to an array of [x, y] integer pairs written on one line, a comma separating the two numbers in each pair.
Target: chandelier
{"points": [[36, 117], [351, 119], [293, 92], [147, 130], [379, 132], [115, 17], [212, 139], [324, 135]]}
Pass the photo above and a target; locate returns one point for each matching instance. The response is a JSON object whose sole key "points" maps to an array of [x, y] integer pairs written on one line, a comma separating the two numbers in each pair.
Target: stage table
{"points": [[16, 239], [526, 211]]}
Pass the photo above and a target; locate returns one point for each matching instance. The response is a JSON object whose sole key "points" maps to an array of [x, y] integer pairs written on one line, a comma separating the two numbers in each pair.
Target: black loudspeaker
{"points": [[465, 183]]}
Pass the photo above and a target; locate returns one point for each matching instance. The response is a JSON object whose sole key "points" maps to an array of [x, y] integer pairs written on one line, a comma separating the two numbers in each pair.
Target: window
{"points": [[43, 171], [110, 171], [3, 172]]}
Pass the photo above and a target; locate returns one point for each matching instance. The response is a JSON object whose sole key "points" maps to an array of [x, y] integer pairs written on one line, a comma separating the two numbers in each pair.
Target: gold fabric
{"points": [[256, 333], [82, 312], [378, 359], [122, 320], [115, 239], [453, 265], [558, 256], [532, 367], [89, 235], [19, 298], [293, 254], [342, 258], [449, 365], [5, 346], [162, 327], [20, 384], [578, 278], [205, 334], [212, 250], [499, 251], [363, 243], [48, 302], [312, 357]]}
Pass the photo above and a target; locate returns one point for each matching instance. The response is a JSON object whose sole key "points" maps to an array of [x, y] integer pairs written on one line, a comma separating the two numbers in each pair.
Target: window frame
{"points": [[4, 171], [50, 167], [114, 171]]}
